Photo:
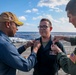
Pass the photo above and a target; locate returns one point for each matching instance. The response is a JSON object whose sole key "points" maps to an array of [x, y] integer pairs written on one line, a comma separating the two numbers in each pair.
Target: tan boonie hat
{"points": [[9, 17]]}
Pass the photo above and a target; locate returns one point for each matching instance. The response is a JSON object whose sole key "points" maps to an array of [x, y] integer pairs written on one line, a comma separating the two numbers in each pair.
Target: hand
{"points": [[55, 48], [29, 44], [57, 38], [36, 46]]}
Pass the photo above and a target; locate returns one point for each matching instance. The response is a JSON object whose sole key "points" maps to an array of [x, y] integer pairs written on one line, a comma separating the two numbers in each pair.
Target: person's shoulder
{"points": [[3, 41], [59, 44]]}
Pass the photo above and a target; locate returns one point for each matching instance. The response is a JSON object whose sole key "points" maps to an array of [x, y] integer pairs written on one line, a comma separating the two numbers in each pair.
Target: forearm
{"points": [[18, 62], [21, 49], [63, 61], [66, 38], [28, 63], [24, 47], [73, 40]]}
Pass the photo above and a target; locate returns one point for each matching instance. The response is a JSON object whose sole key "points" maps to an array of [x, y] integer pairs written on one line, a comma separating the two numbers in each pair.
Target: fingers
{"points": [[37, 43], [55, 48], [29, 44], [36, 46], [57, 38]]}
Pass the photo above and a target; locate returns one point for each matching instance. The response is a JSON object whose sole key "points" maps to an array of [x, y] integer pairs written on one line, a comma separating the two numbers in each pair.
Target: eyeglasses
{"points": [[43, 27]]}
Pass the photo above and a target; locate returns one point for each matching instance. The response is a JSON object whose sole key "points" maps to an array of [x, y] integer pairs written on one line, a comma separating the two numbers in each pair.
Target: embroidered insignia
{"points": [[73, 58]]}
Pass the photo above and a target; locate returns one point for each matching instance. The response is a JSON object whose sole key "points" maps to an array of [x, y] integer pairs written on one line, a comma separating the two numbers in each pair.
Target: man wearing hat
{"points": [[10, 58]]}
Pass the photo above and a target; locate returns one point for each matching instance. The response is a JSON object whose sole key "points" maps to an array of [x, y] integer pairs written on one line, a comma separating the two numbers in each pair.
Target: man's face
{"points": [[44, 29], [72, 18], [12, 30]]}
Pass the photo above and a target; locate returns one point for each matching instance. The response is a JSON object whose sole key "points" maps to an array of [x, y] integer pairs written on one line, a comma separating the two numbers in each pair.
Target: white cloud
{"points": [[52, 3], [46, 16], [28, 11], [28, 24], [34, 10], [22, 18], [58, 10], [43, 16], [63, 20], [28, 27], [63, 28], [36, 18], [63, 25]]}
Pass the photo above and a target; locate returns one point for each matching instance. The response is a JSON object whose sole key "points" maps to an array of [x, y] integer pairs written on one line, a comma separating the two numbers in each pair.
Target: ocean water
{"points": [[27, 35], [23, 36]]}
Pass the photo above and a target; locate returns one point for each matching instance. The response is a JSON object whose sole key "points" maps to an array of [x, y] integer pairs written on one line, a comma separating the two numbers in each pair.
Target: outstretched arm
{"points": [[62, 58], [57, 38], [11, 57], [24, 47]]}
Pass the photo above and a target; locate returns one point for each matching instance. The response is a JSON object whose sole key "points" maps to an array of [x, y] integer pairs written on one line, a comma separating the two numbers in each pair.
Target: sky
{"points": [[30, 12]]}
